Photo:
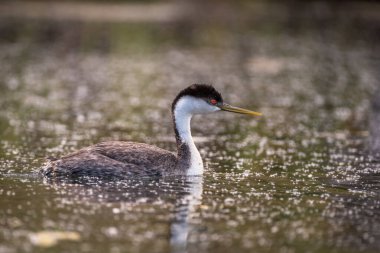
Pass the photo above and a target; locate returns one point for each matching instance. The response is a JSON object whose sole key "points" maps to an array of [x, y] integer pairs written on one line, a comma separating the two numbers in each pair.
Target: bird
{"points": [[128, 159]]}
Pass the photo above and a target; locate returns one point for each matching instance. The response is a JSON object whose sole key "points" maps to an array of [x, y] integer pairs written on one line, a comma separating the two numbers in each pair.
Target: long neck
{"points": [[189, 159]]}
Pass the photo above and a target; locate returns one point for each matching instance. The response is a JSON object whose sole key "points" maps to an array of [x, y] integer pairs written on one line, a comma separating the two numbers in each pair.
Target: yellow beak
{"points": [[230, 108]]}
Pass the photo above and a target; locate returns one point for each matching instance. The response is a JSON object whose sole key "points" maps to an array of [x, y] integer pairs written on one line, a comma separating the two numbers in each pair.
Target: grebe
{"points": [[130, 158]]}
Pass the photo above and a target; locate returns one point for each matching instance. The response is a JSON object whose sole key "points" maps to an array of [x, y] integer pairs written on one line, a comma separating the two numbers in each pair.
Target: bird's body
{"points": [[114, 158], [118, 158]]}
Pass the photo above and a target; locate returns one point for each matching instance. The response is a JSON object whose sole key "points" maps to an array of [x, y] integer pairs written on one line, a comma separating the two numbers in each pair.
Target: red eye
{"points": [[213, 101]]}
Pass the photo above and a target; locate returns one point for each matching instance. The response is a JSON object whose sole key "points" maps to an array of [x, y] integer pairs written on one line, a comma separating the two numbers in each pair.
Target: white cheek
{"points": [[193, 105], [202, 107]]}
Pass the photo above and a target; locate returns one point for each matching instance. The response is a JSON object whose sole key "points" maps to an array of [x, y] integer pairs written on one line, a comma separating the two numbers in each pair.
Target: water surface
{"points": [[298, 179]]}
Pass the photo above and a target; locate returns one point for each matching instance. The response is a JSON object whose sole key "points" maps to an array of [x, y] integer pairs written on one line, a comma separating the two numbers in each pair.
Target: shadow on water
{"points": [[374, 125]]}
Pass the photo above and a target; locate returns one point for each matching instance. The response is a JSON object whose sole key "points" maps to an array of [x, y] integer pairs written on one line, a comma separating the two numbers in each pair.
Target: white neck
{"points": [[184, 110]]}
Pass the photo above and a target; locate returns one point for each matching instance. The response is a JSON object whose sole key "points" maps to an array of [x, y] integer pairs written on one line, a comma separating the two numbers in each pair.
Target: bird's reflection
{"points": [[185, 208], [184, 193]]}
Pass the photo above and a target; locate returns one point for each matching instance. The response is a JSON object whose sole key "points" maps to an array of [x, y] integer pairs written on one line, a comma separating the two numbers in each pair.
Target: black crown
{"points": [[204, 91]]}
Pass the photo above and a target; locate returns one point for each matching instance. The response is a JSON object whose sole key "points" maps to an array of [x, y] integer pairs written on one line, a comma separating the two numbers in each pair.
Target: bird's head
{"points": [[203, 99]]}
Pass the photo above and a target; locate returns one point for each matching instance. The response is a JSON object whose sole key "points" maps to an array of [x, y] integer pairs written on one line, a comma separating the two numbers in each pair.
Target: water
{"points": [[298, 179]]}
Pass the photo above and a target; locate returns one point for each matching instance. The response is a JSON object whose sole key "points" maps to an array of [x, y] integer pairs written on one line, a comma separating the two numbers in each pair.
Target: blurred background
{"points": [[302, 178]]}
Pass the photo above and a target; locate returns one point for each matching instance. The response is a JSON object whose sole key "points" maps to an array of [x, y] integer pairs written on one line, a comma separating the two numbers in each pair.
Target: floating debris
{"points": [[50, 238]]}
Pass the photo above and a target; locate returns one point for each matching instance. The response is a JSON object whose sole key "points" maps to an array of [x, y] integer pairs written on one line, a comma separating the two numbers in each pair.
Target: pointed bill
{"points": [[230, 108]]}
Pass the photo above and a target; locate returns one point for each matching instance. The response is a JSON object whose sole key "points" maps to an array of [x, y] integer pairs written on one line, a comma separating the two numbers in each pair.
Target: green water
{"points": [[297, 179]]}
